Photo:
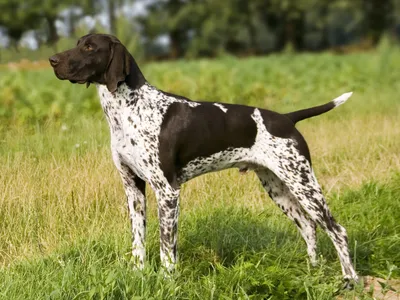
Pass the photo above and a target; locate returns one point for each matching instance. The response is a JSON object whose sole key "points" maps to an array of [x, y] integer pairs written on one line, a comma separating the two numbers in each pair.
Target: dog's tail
{"points": [[299, 115]]}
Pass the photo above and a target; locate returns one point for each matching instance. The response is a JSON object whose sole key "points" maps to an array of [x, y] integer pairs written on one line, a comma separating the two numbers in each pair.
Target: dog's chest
{"points": [[134, 123]]}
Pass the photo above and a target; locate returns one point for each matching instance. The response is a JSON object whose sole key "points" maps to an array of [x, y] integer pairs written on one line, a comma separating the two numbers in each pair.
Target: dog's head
{"points": [[98, 58]]}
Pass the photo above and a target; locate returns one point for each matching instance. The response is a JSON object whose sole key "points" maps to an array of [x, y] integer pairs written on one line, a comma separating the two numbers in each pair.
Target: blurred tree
{"points": [[113, 6], [288, 19], [51, 9], [209, 27], [378, 16], [19, 16], [206, 27], [171, 18]]}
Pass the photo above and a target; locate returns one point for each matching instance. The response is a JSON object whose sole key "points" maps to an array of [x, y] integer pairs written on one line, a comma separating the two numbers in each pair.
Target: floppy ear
{"points": [[118, 67]]}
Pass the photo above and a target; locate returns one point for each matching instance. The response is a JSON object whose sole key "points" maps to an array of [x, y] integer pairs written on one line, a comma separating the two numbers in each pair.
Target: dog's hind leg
{"points": [[287, 159], [285, 200], [299, 178]]}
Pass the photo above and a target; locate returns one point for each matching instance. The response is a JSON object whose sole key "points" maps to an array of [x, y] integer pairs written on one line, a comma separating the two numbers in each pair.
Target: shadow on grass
{"points": [[224, 235]]}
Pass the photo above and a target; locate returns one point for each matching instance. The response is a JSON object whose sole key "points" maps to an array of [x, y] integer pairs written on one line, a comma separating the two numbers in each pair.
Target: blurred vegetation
{"points": [[197, 28], [30, 93]]}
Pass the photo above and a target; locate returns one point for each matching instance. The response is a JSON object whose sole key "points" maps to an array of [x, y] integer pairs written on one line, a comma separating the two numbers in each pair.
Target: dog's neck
{"points": [[135, 79], [127, 91], [125, 96]]}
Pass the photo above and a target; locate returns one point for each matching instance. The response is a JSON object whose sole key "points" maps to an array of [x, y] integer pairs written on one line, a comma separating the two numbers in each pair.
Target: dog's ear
{"points": [[118, 67]]}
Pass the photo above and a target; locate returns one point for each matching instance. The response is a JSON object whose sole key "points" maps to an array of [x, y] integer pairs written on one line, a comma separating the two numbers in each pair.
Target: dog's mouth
{"points": [[78, 81], [65, 77], [59, 76], [81, 82]]}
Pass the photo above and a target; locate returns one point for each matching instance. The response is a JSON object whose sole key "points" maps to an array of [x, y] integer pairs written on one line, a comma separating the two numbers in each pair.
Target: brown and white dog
{"points": [[166, 140]]}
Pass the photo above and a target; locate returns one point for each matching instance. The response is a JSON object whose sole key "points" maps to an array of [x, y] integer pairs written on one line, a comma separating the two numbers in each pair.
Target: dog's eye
{"points": [[88, 47]]}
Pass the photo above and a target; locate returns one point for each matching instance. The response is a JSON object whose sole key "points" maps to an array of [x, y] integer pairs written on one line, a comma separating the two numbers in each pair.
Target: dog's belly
{"points": [[229, 158]]}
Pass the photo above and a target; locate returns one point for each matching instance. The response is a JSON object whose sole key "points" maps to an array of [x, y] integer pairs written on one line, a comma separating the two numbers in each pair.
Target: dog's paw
{"points": [[349, 282]]}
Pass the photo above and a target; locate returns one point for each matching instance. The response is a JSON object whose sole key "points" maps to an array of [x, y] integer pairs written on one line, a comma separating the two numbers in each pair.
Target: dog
{"points": [[165, 140]]}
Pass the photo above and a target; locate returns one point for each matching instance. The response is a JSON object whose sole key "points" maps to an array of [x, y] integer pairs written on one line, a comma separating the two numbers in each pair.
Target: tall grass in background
{"points": [[281, 82]]}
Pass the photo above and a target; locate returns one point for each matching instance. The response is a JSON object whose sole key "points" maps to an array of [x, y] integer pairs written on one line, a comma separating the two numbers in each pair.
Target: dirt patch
{"points": [[375, 288], [25, 64], [380, 288]]}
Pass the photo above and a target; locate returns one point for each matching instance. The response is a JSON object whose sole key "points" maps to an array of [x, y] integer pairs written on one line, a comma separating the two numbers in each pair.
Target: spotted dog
{"points": [[166, 140]]}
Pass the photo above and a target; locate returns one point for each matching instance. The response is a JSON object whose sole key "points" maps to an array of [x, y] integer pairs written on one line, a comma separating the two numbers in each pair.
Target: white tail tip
{"points": [[342, 99]]}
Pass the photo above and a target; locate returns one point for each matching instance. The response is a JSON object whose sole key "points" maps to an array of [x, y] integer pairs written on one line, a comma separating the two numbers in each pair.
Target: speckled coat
{"points": [[166, 140], [281, 161]]}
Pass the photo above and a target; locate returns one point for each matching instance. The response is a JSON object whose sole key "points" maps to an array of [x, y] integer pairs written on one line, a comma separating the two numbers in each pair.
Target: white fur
{"points": [[342, 99], [223, 108]]}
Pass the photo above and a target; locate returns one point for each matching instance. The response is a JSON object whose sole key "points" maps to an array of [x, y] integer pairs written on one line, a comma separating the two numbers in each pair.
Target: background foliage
{"points": [[192, 28], [33, 94]]}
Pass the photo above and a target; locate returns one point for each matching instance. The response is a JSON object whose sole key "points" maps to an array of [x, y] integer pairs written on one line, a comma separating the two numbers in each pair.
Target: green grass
{"points": [[64, 230], [226, 252]]}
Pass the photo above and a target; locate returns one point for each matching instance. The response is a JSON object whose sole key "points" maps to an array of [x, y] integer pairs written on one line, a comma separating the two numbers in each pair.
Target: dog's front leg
{"points": [[135, 192], [168, 211]]}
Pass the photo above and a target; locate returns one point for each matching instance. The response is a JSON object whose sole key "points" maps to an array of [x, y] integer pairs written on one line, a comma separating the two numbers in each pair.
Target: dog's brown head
{"points": [[98, 58]]}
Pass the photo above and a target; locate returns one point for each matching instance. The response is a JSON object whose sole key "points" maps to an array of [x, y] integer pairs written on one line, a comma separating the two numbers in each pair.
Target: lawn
{"points": [[63, 219]]}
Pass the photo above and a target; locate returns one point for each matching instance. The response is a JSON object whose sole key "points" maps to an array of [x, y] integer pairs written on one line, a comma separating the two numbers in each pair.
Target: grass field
{"points": [[64, 230]]}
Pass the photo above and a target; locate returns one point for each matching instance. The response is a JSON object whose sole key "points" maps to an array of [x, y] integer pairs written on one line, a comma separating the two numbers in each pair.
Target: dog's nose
{"points": [[54, 60]]}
